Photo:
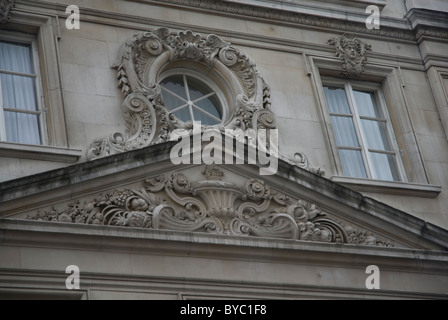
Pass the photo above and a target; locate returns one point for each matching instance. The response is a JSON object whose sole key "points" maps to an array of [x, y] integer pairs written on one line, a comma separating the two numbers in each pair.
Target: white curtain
{"points": [[15, 57], [344, 131], [384, 167], [352, 163], [19, 92], [365, 101], [376, 134], [22, 128], [345, 134], [337, 100]]}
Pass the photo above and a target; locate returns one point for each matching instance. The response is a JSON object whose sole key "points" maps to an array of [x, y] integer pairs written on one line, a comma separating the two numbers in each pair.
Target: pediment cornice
{"points": [[213, 204], [141, 189]]}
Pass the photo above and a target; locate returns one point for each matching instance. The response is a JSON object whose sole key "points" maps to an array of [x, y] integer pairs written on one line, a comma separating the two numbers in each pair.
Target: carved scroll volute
{"points": [[148, 54], [171, 202]]}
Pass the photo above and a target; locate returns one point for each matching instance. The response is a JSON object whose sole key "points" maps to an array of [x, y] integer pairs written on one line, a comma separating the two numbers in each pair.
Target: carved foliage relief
{"points": [[353, 53], [148, 121], [211, 205], [5, 10]]}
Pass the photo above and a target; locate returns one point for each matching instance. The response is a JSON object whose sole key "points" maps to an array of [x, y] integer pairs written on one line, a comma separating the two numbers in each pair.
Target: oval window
{"points": [[190, 99]]}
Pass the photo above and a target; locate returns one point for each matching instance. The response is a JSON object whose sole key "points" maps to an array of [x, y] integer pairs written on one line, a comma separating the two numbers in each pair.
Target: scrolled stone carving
{"points": [[147, 119], [211, 205], [5, 10], [301, 160], [353, 53]]}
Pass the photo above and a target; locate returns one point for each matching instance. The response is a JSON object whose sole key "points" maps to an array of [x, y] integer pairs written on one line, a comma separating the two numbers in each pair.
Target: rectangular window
{"points": [[363, 132], [20, 111]]}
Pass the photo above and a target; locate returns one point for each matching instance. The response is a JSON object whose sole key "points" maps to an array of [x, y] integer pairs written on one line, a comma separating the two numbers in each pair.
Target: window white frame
{"points": [[22, 38], [349, 87], [47, 33], [390, 80], [204, 79]]}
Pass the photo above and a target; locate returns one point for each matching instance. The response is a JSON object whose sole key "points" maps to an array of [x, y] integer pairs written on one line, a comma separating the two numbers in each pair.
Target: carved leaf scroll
{"points": [[211, 205], [5, 10]]}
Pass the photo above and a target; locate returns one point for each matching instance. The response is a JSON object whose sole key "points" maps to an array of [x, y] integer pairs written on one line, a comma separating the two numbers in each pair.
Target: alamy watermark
{"points": [[373, 20], [74, 279], [373, 280], [74, 20], [206, 145]]}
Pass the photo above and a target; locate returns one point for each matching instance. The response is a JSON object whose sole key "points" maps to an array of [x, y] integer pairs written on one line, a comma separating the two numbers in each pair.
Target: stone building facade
{"points": [[351, 97]]}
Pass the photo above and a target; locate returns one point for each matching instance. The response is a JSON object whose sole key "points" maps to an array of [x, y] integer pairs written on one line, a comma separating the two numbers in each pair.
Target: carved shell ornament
{"points": [[212, 205], [353, 53], [148, 121]]}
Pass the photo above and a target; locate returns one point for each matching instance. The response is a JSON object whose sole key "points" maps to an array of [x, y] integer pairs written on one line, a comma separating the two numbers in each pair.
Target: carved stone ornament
{"points": [[211, 205], [5, 10], [301, 160], [353, 53], [148, 121]]}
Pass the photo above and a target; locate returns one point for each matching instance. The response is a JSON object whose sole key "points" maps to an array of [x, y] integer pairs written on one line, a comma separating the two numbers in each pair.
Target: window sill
{"points": [[388, 187], [35, 152]]}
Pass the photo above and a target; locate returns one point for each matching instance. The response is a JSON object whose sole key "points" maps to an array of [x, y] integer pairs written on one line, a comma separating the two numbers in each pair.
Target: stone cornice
{"points": [[401, 29], [428, 23], [356, 25], [124, 168]]}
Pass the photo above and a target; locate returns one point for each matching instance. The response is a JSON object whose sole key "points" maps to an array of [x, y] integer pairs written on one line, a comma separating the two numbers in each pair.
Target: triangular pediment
{"points": [[143, 189]]}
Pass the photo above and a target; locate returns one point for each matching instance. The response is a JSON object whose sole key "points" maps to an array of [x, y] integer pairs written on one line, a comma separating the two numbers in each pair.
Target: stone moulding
{"points": [[5, 10], [277, 14], [148, 121], [353, 54], [211, 205]]}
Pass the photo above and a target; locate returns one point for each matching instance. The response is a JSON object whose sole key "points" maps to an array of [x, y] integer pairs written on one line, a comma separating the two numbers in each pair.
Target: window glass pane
{"points": [[176, 85], [204, 118], [197, 88], [384, 167], [15, 57], [337, 100], [18, 92], [365, 103], [183, 114], [376, 134], [22, 128], [344, 131], [211, 106], [171, 101], [352, 163]]}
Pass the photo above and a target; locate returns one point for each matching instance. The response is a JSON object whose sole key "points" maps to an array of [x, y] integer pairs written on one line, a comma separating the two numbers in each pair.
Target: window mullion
{"points": [[358, 129], [174, 94], [206, 112], [391, 136], [19, 74], [187, 89], [211, 94], [190, 107], [2, 116], [36, 113], [38, 93]]}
